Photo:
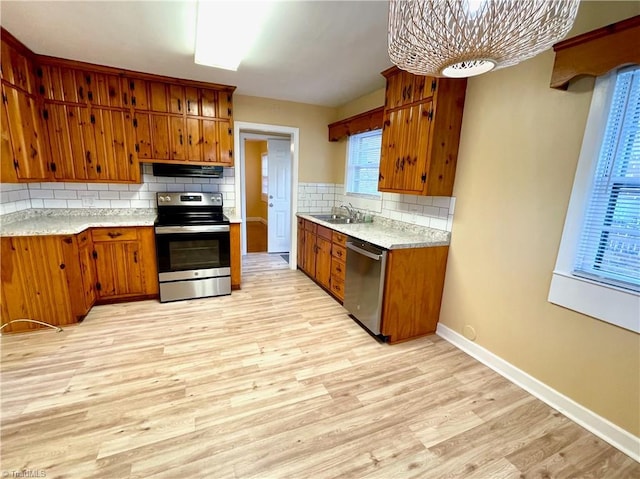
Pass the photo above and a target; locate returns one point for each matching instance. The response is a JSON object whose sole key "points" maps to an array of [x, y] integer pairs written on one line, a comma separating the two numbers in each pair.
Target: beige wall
{"points": [[518, 154], [256, 206], [318, 160]]}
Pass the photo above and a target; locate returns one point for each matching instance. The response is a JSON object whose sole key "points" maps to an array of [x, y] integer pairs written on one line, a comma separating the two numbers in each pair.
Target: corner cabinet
{"points": [[421, 133]]}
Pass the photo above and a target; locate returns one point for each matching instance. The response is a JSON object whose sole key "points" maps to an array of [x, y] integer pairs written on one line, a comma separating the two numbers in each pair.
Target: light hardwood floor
{"points": [[274, 381]]}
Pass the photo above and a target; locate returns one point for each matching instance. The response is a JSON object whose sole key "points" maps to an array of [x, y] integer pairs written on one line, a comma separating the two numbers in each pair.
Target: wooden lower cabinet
{"points": [[414, 281], [41, 280], [125, 262], [323, 257], [236, 255], [338, 268], [315, 257]]}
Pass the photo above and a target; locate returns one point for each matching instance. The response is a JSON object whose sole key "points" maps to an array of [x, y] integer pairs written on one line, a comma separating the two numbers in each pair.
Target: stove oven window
{"points": [[194, 254]]}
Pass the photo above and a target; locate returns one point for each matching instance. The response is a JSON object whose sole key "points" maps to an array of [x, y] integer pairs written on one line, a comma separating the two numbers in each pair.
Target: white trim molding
{"points": [[622, 440]]}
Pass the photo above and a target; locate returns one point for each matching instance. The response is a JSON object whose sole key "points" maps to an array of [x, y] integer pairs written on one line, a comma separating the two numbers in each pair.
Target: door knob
{"points": [[270, 197], [270, 205]]}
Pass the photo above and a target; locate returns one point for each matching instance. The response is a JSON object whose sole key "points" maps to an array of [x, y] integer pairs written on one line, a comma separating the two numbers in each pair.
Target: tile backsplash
{"points": [[17, 197], [433, 211]]}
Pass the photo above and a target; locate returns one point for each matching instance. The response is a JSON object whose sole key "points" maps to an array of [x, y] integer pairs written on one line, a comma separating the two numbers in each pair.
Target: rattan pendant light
{"points": [[462, 38]]}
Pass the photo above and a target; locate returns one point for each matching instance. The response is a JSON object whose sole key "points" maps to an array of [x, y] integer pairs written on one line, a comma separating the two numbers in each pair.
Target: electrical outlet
{"points": [[88, 198]]}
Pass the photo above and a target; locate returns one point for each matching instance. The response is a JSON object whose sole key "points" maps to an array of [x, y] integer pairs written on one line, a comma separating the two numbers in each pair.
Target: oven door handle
{"points": [[160, 230]]}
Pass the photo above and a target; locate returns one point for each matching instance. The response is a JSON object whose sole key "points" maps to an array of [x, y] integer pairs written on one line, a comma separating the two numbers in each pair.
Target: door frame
{"points": [[246, 130]]}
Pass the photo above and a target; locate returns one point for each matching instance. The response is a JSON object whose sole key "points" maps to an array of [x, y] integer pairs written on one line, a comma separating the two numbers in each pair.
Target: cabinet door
{"points": [[63, 128], [225, 106], [138, 96], [160, 137], [192, 103], [118, 269], [16, 68], [8, 169], [195, 140], [142, 129], [158, 97], [87, 268], [300, 252], [23, 129], [209, 140], [178, 138], [176, 99], [310, 253], [323, 261], [34, 282], [405, 149], [225, 142], [209, 99], [114, 145], [106, 90]]}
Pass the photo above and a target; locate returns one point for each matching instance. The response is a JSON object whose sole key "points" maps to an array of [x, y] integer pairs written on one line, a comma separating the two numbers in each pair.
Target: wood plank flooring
{"points": [[274, 381]]}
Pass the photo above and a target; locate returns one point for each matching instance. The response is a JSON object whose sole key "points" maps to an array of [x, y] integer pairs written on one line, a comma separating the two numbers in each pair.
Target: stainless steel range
{"points": [[192, 246]]}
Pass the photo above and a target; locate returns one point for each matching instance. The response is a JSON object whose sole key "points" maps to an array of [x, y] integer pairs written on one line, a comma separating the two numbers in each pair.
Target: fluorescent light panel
{"points": [[226, 31]]}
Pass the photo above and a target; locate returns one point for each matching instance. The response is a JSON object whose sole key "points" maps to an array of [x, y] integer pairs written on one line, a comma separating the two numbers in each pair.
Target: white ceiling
{"points": [[318, 52]]}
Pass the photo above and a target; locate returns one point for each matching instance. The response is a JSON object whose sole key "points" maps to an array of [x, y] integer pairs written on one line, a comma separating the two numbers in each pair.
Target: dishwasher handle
{"points": [[364, 252]]}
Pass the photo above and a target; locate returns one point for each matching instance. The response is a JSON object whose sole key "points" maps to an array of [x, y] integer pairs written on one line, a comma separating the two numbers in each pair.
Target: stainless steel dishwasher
{"points": [[364, 283]]}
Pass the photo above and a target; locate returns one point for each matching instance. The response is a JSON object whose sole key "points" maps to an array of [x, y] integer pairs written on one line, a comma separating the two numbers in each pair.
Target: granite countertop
{"points": [[388, 233], [37, 222]]}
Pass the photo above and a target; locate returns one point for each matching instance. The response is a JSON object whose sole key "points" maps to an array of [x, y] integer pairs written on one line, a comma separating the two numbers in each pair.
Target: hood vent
{"points": [[201, 171]]}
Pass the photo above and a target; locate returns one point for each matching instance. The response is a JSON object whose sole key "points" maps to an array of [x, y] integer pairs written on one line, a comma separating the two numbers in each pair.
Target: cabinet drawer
{"points": [[310, 226], [339, 238], [324, 232], [339, 252], [337, 287], [114, 234], [337, 269]]}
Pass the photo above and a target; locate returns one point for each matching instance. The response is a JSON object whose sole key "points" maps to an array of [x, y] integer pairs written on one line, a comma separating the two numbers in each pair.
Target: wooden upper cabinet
{"points": [[17, 68], [192, 101], [421, 134], [209, 102], [404, 88], [21, 133]]}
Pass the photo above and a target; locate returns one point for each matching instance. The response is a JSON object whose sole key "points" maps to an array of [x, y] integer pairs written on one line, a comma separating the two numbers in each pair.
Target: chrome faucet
{"points": [[353, 213]]}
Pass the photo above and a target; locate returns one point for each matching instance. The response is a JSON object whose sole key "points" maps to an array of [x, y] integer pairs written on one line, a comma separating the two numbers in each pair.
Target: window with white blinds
{"points": [[609, 246], [363, 163]]}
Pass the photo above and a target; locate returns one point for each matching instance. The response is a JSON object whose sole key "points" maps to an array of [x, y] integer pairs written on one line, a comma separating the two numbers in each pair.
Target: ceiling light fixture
{"points": [[462, 38], [226, 31]]}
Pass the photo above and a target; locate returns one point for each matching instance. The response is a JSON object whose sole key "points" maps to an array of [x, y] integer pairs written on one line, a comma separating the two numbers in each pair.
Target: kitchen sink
{"points": [[335, 219]]}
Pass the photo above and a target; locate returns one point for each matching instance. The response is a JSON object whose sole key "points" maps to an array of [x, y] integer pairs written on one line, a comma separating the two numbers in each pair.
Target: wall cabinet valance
{"points": [[367, 121], [596, 52]]}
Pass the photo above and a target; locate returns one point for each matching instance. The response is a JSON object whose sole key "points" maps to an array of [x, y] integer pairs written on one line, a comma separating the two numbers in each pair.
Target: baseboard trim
{"points": [[622, 440]]}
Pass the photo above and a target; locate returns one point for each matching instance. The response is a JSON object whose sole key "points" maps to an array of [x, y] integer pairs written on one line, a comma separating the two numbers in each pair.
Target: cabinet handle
{"points": [[229, 111], [81, 93], [133, 100], [90, 95], [181, 138], [189, 106], [112, 234], [124, 98], [62, 266], [42, 89], [135, 256], [53, 167], [179, 105], [99, 169], [88, 156], [339, 253], [409, 89], [189, 139], [93, 119]]}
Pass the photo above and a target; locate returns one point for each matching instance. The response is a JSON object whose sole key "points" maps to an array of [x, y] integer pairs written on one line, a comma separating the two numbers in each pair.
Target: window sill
{"points": [[606, 303]]}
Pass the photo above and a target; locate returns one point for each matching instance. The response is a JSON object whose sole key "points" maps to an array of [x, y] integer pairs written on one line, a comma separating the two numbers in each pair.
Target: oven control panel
{"points": [[180, 198]]}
